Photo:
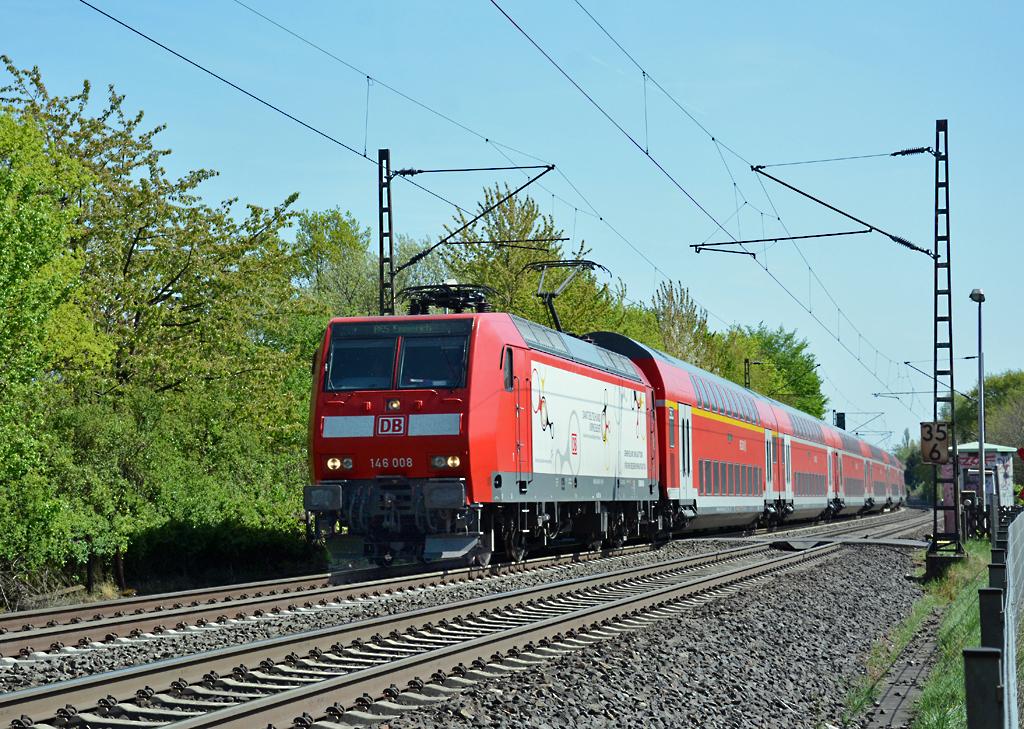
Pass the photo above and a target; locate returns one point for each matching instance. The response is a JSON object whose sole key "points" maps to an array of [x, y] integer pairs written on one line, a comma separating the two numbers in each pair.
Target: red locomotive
{"points": [[453, 435]]}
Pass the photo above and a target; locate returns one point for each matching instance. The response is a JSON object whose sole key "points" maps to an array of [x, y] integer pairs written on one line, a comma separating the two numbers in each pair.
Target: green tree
{"points": [[999, 389], [130, 290], [181, 290], [584, 306], [683, 327], [1004, 425], [799, 385], [730, 350], [919, 476], [39, 323]]}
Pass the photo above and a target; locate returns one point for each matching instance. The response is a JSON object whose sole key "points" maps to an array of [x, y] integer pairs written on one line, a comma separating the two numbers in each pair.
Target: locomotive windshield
{"points": [[430, 354]]}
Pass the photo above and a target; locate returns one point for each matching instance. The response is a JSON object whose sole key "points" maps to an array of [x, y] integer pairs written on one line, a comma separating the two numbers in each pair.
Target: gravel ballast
{"points": [[72, 663], [781, 654]]}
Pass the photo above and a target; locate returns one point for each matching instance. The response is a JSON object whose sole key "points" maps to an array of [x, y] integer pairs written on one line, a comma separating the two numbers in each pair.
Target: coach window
{"points": [[508, 369], [732, 479], [697, 391], [711, 393], [671, 427], [727, 409], [700, 477], [741, 412], [707, 476], [711, 404], [682, 444], [716, 485]]}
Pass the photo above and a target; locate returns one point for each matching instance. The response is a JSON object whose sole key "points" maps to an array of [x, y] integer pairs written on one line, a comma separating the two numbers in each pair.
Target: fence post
{"points": [[997, 576], [983, 684], [990, 605]]}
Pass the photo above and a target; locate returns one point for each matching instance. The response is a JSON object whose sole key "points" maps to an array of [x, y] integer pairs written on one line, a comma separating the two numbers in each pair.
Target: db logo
{"points": [[575, 445], [390, 425]]}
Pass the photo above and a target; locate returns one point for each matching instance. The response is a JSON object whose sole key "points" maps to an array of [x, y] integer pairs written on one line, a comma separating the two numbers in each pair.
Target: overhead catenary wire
{"points": [[719, 146], [688, 195], [267, 103], [349, 148], [502, 149]]}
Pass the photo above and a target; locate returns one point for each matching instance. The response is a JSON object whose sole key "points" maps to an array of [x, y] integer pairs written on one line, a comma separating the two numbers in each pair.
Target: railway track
{"points": [[40, 632], [338, 674]]}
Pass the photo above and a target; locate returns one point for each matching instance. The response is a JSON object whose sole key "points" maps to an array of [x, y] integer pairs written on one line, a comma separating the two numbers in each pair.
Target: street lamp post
{"points": [[979, 296]]}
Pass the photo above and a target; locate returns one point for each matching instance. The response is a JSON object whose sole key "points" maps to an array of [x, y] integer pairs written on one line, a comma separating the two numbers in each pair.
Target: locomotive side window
{"points": [[432, 362], [508, 369], [360, 364]]}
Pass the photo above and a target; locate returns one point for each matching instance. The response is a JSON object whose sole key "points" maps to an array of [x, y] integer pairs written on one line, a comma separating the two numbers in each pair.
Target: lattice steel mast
{"points": [[943, 351]]}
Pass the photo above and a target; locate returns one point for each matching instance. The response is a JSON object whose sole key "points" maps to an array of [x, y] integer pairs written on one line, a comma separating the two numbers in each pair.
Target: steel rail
{"points": [[149, 614], [47, 629], [123, 684], [280, 709]]}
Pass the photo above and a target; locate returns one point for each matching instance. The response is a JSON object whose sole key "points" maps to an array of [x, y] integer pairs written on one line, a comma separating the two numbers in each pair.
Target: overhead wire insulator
{"points": [[914, 150]]}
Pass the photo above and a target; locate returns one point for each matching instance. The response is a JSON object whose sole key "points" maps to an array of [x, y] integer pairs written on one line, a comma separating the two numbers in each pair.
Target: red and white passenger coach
{"points": [[450, 436]]}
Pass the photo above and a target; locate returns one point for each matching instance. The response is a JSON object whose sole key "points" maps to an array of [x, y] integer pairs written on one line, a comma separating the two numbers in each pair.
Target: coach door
{"points": [[687, 489], [769, 467], [835, 458], [524, 438], [787, 467]]}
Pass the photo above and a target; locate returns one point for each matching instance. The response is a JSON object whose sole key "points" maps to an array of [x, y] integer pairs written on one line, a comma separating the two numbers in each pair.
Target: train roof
{"points": [[573, 348]]}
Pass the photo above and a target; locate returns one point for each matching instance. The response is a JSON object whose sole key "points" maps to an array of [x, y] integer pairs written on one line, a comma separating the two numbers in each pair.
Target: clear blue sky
{"points": [[768, 82]]}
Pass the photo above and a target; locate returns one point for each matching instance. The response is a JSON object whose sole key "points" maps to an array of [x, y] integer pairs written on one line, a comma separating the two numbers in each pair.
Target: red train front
{"points": [[439, 436]]}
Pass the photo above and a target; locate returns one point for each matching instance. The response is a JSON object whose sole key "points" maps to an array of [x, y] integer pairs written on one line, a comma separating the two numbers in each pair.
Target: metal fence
{"points": [[990, 672]]}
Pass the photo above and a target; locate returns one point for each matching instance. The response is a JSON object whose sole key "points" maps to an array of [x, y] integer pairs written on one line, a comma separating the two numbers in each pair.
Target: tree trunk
{"points": [[90, 568], [119, 570]]}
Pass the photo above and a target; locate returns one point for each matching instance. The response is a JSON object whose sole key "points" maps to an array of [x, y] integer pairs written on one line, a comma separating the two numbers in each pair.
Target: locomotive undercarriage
{"points": [[430, 519]]}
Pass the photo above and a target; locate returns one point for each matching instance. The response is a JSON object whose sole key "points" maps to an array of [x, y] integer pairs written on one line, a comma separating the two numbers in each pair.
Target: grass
{"points": [[942, 704], [956, 594]]}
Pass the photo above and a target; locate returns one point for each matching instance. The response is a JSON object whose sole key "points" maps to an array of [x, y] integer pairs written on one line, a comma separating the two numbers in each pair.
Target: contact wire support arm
{"points": [[759, 169], [423, 254]]}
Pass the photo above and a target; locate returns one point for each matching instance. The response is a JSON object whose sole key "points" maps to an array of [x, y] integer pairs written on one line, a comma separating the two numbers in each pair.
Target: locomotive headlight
{"points": [[393, 405], [346, 463], [444, 461], [333, 464]]}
